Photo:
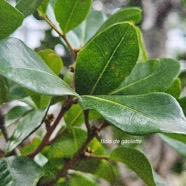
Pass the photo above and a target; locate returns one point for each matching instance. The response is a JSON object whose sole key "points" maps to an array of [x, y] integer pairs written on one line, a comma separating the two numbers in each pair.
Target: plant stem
{"points": [[87, 124], [91, 134], [63, 36], [45, 141]]}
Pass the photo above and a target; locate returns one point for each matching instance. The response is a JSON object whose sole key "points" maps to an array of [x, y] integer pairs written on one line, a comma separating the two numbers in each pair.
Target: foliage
{"points": [[111, 83]]}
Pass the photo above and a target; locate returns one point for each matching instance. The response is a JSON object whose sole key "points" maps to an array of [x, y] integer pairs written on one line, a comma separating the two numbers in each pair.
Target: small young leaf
{"points": [[10, 20], [52, 60], [27, 7], [136, 161], [126, 15], [19, 171], [152, 76], [29, 124], [141, 114], [25, 67], [71, 13], [106, 60]]}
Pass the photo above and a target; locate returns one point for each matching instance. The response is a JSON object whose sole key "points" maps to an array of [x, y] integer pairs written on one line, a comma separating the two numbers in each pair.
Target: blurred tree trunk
{"points": [[154, 25]]}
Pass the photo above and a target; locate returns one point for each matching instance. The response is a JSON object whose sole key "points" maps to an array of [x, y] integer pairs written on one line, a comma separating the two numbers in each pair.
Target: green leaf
{"points": [[75, 116], [10, 20], [176, 141], [142, 52], [70, 141], [16, 91], [141, 114], [43, 7], [19, 171], [4, 93], [25, 67], [152, 76], [52, 60], [175, 88], [78, 178], [136, 161], [71, 13], [106, 60], [15, 114], [29, 148], [126, 15], [89, 26], [29, 124], [28, 7], [41, 101]]}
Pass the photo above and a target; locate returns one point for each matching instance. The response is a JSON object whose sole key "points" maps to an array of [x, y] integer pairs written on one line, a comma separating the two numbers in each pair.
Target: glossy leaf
{"points": [[177, 142], [4, 90], [126, 15], [106, 60], [136, 161], [19, 171], [28, 7], [16, 91], [15, 114], [71, 13], [10, 20], [175, 88], [141, 114], [52, 60], [153, 76], [29, 124], [22, 65]]}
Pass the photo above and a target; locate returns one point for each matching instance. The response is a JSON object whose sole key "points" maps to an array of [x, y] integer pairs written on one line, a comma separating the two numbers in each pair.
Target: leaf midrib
{"points": [[124, 106], [109, 60], [68, 21]]}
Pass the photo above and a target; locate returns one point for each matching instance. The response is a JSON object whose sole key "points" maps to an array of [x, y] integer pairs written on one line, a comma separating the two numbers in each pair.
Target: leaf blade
{"points": [[26, 127], [136, 161], [142, 114], [108, 60], [74, 12], [152, 76], [125, 15], [23, 66], [19, 171], [28, 7], [10, 20]]}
